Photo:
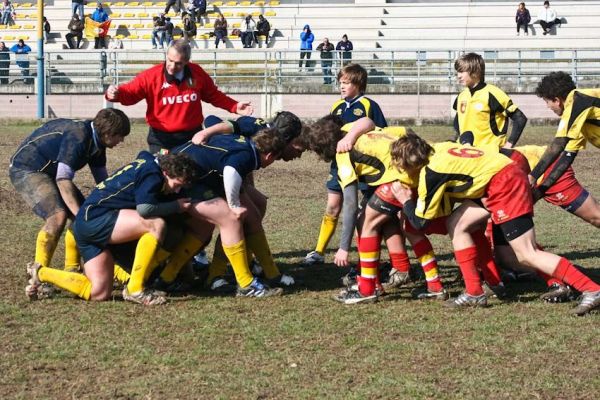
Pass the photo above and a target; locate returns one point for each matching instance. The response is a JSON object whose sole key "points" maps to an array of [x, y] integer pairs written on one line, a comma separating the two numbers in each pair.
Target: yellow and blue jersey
{"points": [[139, 182], [66, 141], [580, 121], [221, 151], [357, 108]]}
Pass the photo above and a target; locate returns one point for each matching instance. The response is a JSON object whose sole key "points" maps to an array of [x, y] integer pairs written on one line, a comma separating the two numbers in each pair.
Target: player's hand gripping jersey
{"points": [[456, 172], [483, 110], [369, 161]]}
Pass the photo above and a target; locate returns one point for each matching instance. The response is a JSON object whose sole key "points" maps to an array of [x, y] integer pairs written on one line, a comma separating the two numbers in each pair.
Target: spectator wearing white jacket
{"points": [[547, 18]]}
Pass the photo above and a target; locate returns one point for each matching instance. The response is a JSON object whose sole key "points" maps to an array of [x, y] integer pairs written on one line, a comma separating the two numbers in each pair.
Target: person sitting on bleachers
{"points": [[75, 31], [220, 30], [158, 31], [46, 30], [262, 29], [197, 8], [189, 27], [547, 18], [8, 13], [248, 27], [176, 4], [169, 27]]}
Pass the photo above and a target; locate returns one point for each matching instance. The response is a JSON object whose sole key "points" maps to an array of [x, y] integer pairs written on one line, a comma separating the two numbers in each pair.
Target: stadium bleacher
{"points": [[370, 24]]}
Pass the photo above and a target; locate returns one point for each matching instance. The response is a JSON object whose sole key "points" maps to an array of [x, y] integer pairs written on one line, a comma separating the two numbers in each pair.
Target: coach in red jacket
{"points": [[174, 92]]}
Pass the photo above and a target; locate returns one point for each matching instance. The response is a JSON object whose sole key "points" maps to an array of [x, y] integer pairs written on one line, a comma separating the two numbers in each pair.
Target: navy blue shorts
{"points": [[205, 190], [333, 184], [92, 236]]}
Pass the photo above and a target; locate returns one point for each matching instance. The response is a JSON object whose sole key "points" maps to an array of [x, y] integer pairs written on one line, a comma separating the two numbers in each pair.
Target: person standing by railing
{"points": [[4, 63], [345, 48], [174, 92], [326, 48], [21, 51], [306, 40]]}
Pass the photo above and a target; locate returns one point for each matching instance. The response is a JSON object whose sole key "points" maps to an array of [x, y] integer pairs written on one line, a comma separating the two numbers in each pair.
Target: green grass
{"points": [[302, 345]]}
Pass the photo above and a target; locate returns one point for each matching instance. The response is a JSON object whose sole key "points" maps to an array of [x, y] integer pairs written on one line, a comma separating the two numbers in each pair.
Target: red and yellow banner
{"points": [[96, 29]]}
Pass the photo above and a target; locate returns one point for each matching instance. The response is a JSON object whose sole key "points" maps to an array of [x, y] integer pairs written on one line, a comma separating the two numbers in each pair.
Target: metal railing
{"points": [[268, 70]]}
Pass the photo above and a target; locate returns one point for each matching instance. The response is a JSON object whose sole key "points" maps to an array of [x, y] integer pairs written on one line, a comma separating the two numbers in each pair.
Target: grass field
{"points": [[302, 345]]}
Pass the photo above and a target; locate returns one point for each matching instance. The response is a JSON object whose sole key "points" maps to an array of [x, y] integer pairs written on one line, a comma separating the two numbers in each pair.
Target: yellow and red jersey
{"points": [[580, 121], [370, 160], [456, 172]]}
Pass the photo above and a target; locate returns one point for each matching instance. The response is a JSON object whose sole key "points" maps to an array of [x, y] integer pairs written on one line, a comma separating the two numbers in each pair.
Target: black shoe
{"points": [[558, 293]]}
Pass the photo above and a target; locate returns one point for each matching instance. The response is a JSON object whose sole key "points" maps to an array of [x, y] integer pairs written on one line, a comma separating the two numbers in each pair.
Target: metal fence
{"points": [[268, 70]]}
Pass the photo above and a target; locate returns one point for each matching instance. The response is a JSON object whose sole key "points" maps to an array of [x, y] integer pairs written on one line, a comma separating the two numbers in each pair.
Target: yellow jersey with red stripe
{"points": [[483, 110], [370, 160], [456, 172], [580, 121]]}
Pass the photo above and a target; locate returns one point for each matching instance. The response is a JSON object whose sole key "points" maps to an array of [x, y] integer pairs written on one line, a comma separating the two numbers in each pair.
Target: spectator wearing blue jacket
{"points": [[306, 40], [100, 16], [21, 50]]}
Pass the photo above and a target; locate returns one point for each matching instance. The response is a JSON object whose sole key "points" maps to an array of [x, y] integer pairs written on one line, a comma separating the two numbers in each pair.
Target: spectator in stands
{"points": [[522, 18], [174, 92], [46, 30], [100, 16], [21, 50], [547, 18], [326, 48], [4, 63], [248, 27], [220, 30], [306, 40], [197, 8], [169, 27], [75, 31], [158, 31], [263, 27], [176, 4], [345, 47], [77, 7], [8, 13], [189, 26]]}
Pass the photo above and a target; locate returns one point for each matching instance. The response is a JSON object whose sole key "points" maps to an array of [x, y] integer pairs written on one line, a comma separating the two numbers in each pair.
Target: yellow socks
{"points": [[238, 258], [44, 248], [184, 251], [71, 252], [328, 225], [144, 253], [120, 275], [218, 264], [257, 244], [73, 282]]}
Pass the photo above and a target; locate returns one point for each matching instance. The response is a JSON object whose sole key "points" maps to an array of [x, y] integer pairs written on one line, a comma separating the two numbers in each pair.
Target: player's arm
{"points": [[99, 173], [377, 115], [232, 182], [128, 93], [456, 129], [565, 159], [409, 205], [519, 120], [202, 136], [359, 127], [149, 205], [550, 155], [66, 187], [349, 215]]}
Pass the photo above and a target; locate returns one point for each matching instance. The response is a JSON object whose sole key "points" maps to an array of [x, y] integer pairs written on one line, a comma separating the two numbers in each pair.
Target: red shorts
{"points": [[520, 160], [508, 195], [436, 226], [565, 190]]}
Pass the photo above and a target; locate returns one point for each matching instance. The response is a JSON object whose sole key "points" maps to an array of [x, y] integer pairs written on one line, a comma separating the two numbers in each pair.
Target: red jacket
{"points": [[174, 107]]}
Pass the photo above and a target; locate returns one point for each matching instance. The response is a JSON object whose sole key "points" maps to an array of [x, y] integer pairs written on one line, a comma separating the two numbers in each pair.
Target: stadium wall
{"points": [[410, 108]]}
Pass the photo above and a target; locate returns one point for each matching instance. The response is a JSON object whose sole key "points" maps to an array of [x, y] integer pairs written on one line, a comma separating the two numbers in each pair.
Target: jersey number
{"points": [[465, 152]]}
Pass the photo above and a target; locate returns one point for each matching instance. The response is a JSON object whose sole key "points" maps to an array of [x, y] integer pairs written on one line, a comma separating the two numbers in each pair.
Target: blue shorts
{"points": [[93, 236], [333, 184], [39, 190], [204, 191]]}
